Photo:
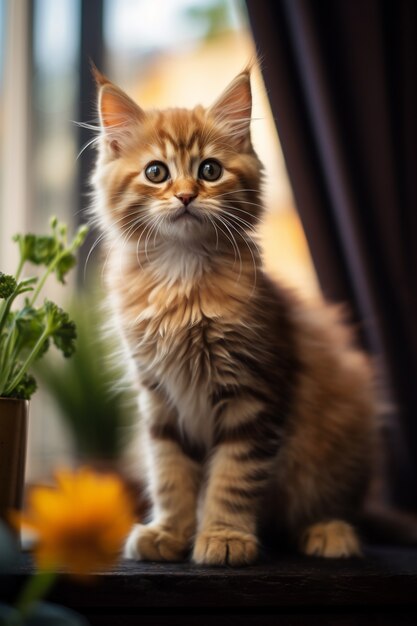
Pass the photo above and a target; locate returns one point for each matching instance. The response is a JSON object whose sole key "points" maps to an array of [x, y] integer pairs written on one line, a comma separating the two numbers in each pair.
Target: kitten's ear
{"points": [[117, 112], [234, 107]]}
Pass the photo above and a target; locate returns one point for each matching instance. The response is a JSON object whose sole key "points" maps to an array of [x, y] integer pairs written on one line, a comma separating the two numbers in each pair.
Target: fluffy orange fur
{"points": [[255, 409]]}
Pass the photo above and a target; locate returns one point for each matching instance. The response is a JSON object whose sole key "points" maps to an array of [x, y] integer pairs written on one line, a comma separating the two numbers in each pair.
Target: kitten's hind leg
{"points": [[330, 539]]}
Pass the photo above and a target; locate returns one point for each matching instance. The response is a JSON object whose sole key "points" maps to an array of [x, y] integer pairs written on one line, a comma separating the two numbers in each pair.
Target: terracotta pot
{"points": [[13, 442]]}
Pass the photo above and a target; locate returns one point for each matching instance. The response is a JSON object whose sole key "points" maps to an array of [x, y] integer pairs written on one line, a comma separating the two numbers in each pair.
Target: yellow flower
{"points": [[81, 523]]}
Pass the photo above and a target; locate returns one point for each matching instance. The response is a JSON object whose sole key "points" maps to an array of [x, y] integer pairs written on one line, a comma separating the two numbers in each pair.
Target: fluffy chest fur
{"points": [[184, 318]]}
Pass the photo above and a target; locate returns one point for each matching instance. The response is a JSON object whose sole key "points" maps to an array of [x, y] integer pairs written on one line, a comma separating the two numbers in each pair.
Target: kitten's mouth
{"points": [[184, 214]]}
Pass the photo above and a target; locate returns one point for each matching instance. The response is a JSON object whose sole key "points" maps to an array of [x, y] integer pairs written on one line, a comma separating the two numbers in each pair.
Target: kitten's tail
{"points": [[384, 523]]}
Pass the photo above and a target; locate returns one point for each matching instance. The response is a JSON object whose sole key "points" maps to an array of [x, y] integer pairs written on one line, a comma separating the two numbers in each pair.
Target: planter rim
{"points": [[13, 399]]}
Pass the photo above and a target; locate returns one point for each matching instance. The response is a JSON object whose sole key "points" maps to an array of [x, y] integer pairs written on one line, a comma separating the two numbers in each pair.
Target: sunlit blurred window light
{"points": [[144, 26], [55, 22]]}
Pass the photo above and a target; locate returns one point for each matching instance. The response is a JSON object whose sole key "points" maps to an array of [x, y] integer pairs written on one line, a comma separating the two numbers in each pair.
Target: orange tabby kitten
{"points": [[255, 409]]}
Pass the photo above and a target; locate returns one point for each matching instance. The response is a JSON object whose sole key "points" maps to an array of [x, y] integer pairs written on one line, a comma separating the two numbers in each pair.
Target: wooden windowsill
{"points": [[382, 587]]}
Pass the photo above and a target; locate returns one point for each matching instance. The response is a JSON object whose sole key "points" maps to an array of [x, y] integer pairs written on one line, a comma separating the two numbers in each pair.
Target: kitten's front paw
{"points": [[154, 543], [334, 539], [225, 547]]}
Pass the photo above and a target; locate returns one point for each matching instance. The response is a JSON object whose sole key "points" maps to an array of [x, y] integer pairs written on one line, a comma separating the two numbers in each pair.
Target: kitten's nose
{"points": [[186, 197]]}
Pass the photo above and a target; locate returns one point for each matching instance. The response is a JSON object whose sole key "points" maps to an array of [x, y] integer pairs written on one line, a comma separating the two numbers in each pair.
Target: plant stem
{"points": [[22, 287], [19, 268], [6, 363], [31, 357], [42, 281], [50, 269], [4, 310], [35, 589]]}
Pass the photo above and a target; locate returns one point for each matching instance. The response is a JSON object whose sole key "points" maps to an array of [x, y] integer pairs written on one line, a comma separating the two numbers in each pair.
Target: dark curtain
{"points": [[341, 77]]}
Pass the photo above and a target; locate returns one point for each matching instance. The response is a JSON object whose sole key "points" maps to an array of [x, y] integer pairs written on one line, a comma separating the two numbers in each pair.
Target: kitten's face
{"points": [[190, 175]]}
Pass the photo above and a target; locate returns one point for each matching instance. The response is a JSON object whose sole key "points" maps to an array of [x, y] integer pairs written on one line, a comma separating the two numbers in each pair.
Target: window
{"points": [[56, 40]]}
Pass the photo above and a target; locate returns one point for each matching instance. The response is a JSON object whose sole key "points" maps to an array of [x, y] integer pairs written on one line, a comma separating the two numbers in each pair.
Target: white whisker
{"points": [[251, 253], [233, 242]]}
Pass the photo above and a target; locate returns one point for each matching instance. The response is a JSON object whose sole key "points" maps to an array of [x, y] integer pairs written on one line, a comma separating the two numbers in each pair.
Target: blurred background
{"points": [[340, 81], [169, 53]]}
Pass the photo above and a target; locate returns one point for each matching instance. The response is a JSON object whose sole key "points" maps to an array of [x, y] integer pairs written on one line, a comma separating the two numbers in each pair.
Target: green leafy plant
{"points": [[27, 332], [96, 401]]}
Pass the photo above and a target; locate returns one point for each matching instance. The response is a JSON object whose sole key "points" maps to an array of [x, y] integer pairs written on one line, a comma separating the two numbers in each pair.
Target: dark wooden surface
{"points": [[380, 589]]}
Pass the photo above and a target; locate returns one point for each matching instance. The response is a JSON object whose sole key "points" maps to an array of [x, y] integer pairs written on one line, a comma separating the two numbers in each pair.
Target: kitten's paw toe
{"points": [[333, 539], [225, 547], [154, 543]]}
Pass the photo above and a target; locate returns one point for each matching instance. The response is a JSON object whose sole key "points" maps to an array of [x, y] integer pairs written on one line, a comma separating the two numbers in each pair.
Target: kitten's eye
{"points": [[210, 170], [156, 172]]}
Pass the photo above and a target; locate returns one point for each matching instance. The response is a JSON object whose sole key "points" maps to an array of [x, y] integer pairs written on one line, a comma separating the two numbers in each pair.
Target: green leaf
{"points": [[9, 553], [38, 249], [25, 388], [26, 244], [92, 391], [26, 285], [25, 335], [47, 614], [80, 236], [64, 265], [44, 250], [53, 222], [7, 285], [64, 338], [30, 324]]}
